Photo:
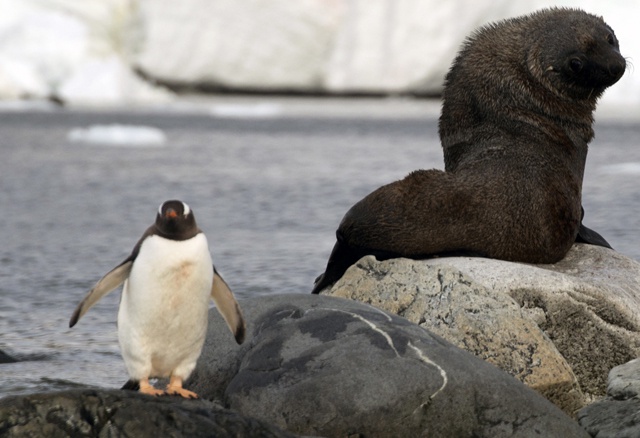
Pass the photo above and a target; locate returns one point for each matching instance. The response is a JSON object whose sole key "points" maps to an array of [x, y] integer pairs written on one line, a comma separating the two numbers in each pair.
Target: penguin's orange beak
{"points": [[171, 213]]}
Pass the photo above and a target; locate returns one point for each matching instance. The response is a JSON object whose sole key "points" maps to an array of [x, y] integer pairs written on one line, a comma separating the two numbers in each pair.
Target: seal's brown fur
{"points": [[515, 124]]}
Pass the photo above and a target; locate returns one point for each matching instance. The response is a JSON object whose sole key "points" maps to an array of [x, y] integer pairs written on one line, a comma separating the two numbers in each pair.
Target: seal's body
{"points": [[168, 282], [527, 82], [515, 124]]}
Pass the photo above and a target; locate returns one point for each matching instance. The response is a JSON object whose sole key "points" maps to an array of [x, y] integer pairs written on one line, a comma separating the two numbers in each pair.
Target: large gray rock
{"points": [[531, 320], [618, 415], [325, 366], [489, 325], [111, 413]]}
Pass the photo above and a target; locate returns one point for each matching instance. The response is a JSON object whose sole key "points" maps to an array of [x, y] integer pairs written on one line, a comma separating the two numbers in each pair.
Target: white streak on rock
{"points": [[426, 360], [386, 315], [376, 329], [387, 337], [366, 321]]}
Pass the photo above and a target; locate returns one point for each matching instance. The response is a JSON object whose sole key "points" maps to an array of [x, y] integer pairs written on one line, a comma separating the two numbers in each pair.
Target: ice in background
{"points": [[92, 52]]}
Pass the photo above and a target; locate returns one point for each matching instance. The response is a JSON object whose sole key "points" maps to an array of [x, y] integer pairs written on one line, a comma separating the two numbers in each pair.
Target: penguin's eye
{"points": [[611, 39]]}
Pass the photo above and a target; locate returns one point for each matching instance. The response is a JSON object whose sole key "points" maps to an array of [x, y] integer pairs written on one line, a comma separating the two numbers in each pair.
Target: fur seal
{"points": [[168, 281], [516, 119], [582, 65]]}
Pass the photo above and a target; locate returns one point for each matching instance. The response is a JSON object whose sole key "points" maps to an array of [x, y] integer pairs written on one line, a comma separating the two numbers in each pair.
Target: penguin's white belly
{"points": [[162, 321]]}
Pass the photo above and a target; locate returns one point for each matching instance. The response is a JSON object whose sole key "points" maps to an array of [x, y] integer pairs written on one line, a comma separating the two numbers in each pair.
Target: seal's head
{"points": [[579, 64]]}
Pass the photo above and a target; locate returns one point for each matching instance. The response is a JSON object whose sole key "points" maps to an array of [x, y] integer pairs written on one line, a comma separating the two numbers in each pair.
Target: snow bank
{"points": [[76, 52], [87, 52]]}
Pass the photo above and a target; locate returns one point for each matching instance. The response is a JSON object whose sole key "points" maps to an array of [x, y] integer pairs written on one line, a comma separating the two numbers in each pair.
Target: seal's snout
{"points": [[617, 68], [610, 70]]}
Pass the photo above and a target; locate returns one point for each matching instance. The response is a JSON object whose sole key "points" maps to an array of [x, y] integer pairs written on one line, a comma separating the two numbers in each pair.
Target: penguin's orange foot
{"points": [[146, 388], [184, 393], [175, 388]]}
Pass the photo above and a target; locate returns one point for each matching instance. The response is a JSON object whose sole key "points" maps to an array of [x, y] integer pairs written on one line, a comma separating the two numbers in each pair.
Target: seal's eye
{"points": [[611, 39], [576, 65]]}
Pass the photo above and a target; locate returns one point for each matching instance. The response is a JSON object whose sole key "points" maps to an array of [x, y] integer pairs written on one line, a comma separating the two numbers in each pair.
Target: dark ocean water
{"points": [[269, 193]]}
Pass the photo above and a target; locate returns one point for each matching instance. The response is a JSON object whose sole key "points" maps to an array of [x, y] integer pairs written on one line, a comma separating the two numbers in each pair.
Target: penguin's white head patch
{"points": [[185, 208]]}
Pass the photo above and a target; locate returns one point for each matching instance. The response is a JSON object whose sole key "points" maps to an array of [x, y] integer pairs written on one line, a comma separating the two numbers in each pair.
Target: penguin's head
{"points": [[175, 220]]}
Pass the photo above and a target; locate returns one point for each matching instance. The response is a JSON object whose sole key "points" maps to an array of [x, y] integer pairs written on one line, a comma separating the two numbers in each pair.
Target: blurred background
{"points": [[269, 117], [111, 52]]}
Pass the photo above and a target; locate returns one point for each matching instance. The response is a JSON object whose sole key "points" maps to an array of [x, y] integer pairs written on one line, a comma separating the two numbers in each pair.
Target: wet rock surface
{"points": [[89, 412]]}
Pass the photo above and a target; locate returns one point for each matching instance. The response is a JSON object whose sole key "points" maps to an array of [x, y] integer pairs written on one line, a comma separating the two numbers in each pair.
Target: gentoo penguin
{"points": [[162, 321]]}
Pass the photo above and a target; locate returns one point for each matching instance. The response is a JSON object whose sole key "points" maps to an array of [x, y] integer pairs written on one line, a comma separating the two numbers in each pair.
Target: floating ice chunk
{"points": [[119, 135], [247, 111]]}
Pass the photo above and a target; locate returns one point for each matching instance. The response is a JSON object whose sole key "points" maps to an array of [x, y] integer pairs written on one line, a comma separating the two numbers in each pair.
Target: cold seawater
{"points": [[268, 190]]}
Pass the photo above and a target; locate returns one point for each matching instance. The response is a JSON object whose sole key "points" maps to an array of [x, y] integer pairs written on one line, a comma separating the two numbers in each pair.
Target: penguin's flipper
{"points": [[228, 306], [106, 284]]}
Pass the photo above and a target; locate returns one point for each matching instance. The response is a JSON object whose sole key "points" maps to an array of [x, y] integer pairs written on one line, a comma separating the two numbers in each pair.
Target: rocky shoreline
{"points": [[474, 336], [109, 412]]}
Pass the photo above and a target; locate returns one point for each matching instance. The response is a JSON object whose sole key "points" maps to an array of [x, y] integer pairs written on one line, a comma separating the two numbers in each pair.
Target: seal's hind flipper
{"points": [[586, 235]]}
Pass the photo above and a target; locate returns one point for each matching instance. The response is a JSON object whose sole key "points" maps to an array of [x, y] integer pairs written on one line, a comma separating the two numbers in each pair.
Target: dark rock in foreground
{"points": [[5, 358], [612, 418], [112, 413], [618, 415], [324, 366]]}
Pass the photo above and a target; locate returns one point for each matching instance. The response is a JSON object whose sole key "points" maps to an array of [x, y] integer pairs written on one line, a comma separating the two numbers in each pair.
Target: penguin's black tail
{"points": [[131, 385]]}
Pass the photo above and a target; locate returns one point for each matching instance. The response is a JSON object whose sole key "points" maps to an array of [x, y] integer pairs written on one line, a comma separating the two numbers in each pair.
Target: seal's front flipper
{"points": [[342, 257]]}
